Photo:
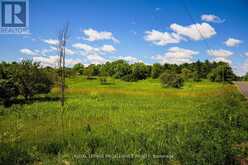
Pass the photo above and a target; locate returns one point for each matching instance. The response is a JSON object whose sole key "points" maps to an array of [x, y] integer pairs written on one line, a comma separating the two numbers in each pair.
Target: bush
{"points": [[12, 154], [186, 74], [171, 80], [103, 80], [53, 148]]}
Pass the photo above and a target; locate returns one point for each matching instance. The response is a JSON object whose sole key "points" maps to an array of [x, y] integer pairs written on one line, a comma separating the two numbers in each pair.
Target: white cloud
{"points": [[87, 49], [244, 67], [222, 59], [45, 52], [232, 42], [52, 42], [96, 59], [162, 38], [84, 47], [176, 55], [92, 54], [241, 68], [29, 52], [211, 18], [108, 49], [69, 51], [130, 59], [52, 61], [194, 31], [93, 50], [93, 35], [246, 53], [219, 53]]}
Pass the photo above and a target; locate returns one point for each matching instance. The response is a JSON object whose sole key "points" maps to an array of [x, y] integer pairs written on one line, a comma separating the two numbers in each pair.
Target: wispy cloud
{"points": [[219, 53], [180, 33], [52, 61], [29, 52], [232, 42], [94, 54], [94, 35], [162, 38], [52, 42], [176, 55], [129, 59], [195, 31], [211, 18]]}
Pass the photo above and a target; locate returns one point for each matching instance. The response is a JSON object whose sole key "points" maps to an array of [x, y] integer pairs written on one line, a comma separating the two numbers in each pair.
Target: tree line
{"points": [[27, 79], [120, 69]]}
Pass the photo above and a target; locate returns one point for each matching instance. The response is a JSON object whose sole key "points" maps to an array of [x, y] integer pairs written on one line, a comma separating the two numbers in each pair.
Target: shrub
{"points": [[53, 148], [171, 80], [186, 74], [103, 80], [12, 154]]}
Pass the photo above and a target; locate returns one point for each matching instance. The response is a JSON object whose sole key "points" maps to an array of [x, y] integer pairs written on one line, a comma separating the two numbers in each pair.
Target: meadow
{"points": [[127, 123]]}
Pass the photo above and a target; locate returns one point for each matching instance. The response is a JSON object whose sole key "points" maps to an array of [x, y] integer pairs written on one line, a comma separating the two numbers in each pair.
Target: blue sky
{"points": [[172, 31]]}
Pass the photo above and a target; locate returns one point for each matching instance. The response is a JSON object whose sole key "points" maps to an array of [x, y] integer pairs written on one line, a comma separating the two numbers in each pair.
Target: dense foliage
{"points": [[8, 91], [222, 73], [196, 71], [78, 68], [32, 80], [28, 79], [25, 78]]}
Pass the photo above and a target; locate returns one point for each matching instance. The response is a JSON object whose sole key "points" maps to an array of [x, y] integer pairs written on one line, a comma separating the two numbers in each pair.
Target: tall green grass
{"points": [[133, 123]]}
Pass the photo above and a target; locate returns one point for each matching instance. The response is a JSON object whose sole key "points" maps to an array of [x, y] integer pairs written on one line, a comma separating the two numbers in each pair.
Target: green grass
{"points": [[125, 118]]}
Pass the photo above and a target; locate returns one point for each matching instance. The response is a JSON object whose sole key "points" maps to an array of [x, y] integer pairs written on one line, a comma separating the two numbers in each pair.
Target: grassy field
{"points": [[198, 124]]}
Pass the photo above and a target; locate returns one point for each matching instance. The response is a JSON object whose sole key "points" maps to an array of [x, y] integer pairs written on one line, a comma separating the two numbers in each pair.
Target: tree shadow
{"points": [[107, 83], [91, 78], [22, 101]]}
